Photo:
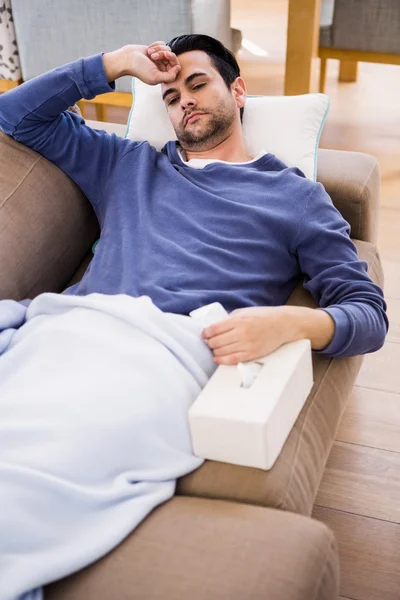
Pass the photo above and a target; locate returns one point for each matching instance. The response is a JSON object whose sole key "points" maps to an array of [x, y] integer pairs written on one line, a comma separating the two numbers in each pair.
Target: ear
{"points": [[239, 91]]}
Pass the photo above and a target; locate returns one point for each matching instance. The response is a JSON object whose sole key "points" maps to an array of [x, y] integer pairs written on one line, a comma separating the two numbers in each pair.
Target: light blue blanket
{"points": [[12, 316], [94, 396]]}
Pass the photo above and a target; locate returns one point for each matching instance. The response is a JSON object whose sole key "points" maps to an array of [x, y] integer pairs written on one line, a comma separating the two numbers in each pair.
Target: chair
{"points": [[10, 70], [358, 30], [51, 33]]}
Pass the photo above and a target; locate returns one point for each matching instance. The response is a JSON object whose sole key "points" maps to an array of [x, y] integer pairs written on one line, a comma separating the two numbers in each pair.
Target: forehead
{"points": [[192, 62]]}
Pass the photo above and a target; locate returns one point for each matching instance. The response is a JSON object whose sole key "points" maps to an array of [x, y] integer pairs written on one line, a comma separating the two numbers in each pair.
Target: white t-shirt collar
{"points": [[200, 163]]}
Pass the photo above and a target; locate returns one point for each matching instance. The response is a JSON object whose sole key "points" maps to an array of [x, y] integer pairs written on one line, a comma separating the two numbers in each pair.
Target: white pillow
{"points": [[288, 126]]}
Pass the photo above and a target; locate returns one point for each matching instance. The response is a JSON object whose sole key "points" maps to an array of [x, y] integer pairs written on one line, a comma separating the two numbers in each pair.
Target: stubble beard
{"points": [[213, 132]]}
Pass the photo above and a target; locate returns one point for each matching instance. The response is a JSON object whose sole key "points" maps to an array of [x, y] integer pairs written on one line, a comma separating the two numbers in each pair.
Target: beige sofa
{"points": [[230, 532]]}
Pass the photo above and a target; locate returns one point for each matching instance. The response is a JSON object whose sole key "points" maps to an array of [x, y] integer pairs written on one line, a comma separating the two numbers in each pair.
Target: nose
{"points": [[187, 101]]}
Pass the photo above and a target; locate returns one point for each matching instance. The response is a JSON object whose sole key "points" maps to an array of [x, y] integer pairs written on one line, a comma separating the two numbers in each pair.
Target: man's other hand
{"points": [[252, 333]]}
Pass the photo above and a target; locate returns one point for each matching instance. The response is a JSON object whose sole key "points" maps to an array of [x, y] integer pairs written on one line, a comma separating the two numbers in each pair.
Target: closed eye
{"points": [[195, 87]]}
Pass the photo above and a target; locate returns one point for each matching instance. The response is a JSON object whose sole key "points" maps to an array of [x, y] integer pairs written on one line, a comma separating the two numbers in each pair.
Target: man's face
{"points": [[200, 106]]}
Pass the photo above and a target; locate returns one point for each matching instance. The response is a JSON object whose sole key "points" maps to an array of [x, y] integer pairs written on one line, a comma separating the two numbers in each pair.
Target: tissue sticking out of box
{"points": [[212, 313], [248, 372]]}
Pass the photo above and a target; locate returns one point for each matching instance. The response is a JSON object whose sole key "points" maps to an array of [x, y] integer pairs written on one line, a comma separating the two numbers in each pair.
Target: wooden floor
{"points": [[359, 497]]}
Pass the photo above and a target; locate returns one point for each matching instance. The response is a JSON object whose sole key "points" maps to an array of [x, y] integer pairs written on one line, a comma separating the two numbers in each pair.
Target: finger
{"points": [[229, 349], [161, 65], [160, 51], [218, 328], [159, 43], [165, 55], [155, 49], [170, 75], [231, 359], [223, 339]]}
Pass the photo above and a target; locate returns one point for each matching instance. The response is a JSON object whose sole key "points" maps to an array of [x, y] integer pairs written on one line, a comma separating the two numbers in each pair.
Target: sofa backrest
{"points": [[46, 223], [47, 226]]}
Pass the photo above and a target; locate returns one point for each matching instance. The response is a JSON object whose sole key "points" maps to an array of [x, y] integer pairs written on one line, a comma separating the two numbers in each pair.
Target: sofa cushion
{"points": [[293, 481], [212, 550], [353, 181]]}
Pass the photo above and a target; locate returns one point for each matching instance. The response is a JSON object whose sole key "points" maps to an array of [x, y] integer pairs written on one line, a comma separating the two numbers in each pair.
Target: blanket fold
{"points": [[12, 316]]}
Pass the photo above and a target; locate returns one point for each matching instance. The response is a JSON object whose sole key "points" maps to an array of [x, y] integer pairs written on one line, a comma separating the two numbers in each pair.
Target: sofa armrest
{"points": [[46, 223], [352, 180], [208, 550]]}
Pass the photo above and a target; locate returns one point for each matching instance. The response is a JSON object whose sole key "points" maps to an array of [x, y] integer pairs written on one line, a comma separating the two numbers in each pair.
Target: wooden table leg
{"points": [[302, 46], [100, 112], [348, 70]]}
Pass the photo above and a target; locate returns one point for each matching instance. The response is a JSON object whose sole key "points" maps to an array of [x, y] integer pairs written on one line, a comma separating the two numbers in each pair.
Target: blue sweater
{"points": [[242, 235]]}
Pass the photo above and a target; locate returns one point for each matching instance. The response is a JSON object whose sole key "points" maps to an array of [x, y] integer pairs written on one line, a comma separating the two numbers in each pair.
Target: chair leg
{"points": [[81, 105], [322, 74], [101, 112], [348, 70]]}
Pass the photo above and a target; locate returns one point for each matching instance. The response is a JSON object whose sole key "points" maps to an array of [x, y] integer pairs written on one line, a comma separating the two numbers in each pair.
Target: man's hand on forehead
{"points": [[166, 61], [161, 54], [152, 64]]}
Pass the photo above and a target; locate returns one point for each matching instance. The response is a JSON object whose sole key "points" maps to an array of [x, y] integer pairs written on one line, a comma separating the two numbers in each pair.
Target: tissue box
{"points": [[249, 426]]}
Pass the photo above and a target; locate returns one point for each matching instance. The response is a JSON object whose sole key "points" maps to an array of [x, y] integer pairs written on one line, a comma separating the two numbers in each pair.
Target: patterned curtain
{"points": [[9, 57]]}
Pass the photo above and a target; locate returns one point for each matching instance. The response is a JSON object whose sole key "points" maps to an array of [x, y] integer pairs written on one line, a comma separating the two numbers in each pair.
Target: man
{"points": [[199, 222], [238, 234]]}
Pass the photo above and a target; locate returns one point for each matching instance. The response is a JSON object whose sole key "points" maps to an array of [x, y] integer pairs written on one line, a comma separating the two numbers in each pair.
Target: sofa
{"points": [[230, 532]]}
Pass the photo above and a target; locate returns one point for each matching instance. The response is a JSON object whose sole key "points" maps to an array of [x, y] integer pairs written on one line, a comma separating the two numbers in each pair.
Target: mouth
{"points": [[191, 117]]}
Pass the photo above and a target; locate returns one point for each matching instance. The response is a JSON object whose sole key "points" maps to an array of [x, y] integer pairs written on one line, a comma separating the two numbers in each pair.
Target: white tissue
{"points": [[212, 313], [248, 373]]}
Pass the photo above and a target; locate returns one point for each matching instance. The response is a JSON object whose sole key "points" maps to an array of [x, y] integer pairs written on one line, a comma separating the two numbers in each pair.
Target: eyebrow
{"points": [[187, 81]]}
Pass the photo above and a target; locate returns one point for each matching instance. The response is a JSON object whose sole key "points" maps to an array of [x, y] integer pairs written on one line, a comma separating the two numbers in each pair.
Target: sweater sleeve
{"points": [[338, 281], [35, 114]]}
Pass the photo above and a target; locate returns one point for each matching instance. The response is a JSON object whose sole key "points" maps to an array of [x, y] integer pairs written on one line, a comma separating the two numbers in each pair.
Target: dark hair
{"points": [[222, 58]]}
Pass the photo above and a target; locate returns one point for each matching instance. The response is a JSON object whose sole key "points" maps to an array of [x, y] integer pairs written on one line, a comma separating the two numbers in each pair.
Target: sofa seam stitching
{"points": [[21, 182], [360, 217], [371, 267]]}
